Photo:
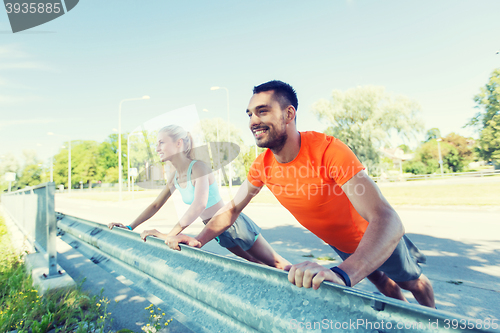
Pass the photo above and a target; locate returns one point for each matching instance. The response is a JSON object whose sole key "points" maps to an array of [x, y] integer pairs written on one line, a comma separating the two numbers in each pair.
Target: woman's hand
{"points": [[116, 224], [146, 233], [173, 241]]}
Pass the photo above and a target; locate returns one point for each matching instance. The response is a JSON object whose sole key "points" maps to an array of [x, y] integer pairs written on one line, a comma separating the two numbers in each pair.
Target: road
{"points": [[461, 244]]}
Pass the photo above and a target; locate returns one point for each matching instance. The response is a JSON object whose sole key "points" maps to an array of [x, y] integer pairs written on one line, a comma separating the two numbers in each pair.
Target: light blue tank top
{"points": [[188, 192]]}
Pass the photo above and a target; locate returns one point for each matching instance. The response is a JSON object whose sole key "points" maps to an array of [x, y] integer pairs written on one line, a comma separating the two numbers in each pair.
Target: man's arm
{"points": [[380, 239], [383, 233], [222, 220]]}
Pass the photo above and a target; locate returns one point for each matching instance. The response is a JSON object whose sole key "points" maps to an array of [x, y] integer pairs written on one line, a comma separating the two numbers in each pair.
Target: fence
{"points": [[483, 173], [32, 209]]}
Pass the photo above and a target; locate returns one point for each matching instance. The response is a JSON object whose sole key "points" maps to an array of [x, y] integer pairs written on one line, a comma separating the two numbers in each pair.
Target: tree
{"points": [[84, 161], [433, 133], [32, 172], [490, 139], [209, 129], [456, 152], [31, 175], [143, 152], [108, 158], [8, 163], [488, 120], [365, 118], [464, 146], [60, 167], [415, 167], [404, 148]]}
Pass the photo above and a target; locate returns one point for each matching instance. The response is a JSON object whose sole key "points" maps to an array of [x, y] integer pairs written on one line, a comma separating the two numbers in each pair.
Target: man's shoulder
{"points": [[317, 141], [263, 159], [313, 137], [325, 147]]}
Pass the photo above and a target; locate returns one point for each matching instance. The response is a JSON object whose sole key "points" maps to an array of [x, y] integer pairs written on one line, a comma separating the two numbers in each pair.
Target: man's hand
{"points": [[307, 274], [173, 241], [116, 224], [146, 233]]}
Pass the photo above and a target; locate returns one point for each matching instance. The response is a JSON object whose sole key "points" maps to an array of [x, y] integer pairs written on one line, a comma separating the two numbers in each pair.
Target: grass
{"points": [[22, 309], [444, 195], [481, 194]]}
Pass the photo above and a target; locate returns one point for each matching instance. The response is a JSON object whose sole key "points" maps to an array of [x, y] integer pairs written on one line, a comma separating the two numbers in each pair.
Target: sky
{"points": [[69, 75]]}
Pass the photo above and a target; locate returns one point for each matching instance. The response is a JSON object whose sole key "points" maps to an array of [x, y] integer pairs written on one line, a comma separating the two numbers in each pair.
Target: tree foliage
{"points": [[433, 133], [456, 151], [218, 128], [490, 139], [365, 118], [488, 119], [90, 161]]}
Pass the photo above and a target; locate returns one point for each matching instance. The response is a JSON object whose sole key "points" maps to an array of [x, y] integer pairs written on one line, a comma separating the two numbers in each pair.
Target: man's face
{"points": [[267, 121]]}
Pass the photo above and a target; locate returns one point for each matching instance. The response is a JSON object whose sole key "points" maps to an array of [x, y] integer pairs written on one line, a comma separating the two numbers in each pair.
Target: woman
{"points": [[196, 183]]}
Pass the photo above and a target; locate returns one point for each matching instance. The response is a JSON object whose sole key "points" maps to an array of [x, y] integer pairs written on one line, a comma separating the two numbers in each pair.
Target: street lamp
{"points": [[218, 143], [120, 171], [440, 159], [69, 159], [228, 135], [128, 157]]}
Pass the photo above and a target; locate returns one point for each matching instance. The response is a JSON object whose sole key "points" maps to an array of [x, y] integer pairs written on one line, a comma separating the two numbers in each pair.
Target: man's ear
{"points": [[290, 113]]}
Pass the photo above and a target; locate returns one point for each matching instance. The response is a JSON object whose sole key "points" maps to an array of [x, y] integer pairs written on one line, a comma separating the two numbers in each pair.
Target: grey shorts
{"points": [[402, 265], [243, 233]]}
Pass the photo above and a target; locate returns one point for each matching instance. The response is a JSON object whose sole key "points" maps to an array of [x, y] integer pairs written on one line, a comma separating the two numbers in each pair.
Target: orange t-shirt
{"points": [[310, 188]]}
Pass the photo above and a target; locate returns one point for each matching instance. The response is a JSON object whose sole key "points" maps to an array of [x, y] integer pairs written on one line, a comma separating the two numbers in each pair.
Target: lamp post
{"points": [[228, 135], [69, 159], [120, 171], [128, 157], [440, 158], [219, 171]]}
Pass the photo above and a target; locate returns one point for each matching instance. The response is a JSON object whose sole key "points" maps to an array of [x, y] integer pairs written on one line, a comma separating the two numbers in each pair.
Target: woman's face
{"points": [[166, 147]]}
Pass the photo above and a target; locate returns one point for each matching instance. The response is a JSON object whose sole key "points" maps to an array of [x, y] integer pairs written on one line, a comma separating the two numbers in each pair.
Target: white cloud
{"points": [[8, 99], [13, 57], [16, 122], [12, 51], [23, 65]]}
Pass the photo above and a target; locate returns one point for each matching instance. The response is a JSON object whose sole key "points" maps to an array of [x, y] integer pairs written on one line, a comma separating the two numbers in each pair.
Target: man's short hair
{"points": [[284, 93]]}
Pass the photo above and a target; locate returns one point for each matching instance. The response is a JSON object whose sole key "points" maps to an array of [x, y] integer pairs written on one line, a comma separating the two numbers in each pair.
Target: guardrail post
{"points": [[51, 228]]}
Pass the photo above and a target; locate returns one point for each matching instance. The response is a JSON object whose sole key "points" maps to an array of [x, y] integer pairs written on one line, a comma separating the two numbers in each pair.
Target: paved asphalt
{"points": [[461, 244]]}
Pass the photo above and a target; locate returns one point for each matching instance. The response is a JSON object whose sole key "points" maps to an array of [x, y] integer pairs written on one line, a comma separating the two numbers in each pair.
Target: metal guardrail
{"points": [[32, 209], [257, 298]]}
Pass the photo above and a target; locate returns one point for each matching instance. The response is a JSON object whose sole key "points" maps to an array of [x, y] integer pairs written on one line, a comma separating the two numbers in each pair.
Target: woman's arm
{"points": [[151, 210], [201, 173]]}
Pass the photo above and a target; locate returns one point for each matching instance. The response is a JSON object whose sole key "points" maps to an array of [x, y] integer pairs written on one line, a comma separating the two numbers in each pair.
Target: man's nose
{"points": [[254, 120]]}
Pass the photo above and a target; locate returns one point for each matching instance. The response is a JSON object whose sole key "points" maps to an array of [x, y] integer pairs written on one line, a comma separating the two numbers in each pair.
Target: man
{"points": [[322, 183]]}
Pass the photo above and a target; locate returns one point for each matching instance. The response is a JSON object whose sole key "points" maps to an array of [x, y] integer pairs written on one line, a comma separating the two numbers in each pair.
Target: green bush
{"points": [[414, 167]]}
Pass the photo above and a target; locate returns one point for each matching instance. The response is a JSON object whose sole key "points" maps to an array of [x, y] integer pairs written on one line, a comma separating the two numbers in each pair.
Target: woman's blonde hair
{"points": [[176, 132]]}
